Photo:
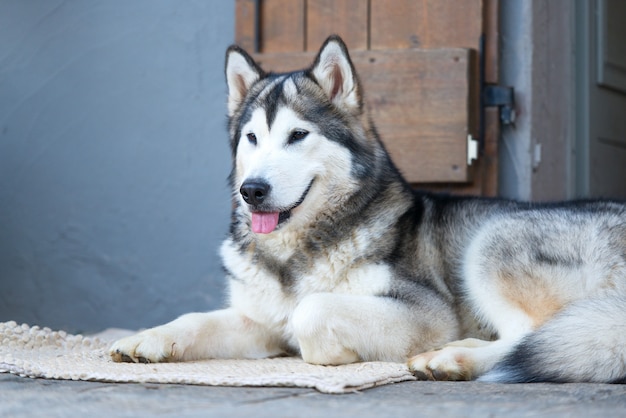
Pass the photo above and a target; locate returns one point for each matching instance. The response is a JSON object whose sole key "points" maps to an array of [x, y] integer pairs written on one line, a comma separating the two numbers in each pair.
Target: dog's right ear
{"points": [[241, 73]]}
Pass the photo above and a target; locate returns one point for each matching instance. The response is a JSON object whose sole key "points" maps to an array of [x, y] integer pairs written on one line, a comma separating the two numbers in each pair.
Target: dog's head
{"points": [[295, 137]]}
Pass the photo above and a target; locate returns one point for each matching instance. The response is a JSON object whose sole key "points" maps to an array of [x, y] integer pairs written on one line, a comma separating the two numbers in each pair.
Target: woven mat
{"points": [[43, 353]]}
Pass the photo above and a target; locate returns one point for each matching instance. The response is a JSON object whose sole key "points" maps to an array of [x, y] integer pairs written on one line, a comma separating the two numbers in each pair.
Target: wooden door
{"points": [[422, 63]]}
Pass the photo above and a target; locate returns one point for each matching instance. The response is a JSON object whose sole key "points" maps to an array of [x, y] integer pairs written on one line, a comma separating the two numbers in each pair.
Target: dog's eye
{"points": [[251, 138], [297, 135]]}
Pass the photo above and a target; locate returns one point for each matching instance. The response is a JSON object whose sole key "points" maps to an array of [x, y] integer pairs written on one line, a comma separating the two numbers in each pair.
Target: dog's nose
{"points": [[254, 191]]}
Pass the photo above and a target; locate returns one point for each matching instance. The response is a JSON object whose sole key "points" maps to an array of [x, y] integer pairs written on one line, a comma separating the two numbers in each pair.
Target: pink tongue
{"points": [[264, 223]]}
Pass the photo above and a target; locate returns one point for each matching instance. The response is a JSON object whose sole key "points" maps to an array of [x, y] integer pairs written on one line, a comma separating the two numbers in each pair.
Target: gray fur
{"points": [[426, 235], [379, 271]]}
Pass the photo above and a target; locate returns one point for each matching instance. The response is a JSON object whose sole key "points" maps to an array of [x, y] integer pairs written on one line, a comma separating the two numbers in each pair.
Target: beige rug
{"points": [[43, 353]]}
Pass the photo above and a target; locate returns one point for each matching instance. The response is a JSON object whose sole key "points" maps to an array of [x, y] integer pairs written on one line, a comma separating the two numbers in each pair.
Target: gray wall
{"points": [[113, 160]]}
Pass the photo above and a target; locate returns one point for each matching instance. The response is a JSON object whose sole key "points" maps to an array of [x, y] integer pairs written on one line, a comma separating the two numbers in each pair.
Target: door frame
{"points": [[583, 25], [538, 153]]}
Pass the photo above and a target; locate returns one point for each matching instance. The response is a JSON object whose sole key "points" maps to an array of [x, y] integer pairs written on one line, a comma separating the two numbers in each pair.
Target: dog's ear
{"points": [[241, 73], [334, 72]]}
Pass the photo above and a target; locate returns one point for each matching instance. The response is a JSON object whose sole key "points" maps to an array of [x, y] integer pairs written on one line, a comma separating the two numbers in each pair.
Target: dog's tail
{"points": [[586, 342]]}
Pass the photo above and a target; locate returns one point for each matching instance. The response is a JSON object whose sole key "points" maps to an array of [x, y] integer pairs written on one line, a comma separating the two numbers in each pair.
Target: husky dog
{"points": [[333, 257]]}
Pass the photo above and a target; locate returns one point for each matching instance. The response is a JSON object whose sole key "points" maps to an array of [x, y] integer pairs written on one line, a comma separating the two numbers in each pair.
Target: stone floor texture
{"points": [[25, 397]]}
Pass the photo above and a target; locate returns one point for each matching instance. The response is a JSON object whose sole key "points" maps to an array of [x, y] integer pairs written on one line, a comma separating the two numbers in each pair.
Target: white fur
{"points": [[338, 328], [334, 300], [291, 168], [334, 74], [240, 76], [218, 334]]}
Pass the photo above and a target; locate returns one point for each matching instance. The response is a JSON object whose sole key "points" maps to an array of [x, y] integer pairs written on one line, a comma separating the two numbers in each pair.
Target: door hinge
{"points": [[504, 98], [492, 95]]}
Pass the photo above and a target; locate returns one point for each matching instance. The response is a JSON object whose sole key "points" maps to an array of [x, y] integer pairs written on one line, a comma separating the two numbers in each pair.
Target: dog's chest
{"points": [[268, 287], [340, 267]]}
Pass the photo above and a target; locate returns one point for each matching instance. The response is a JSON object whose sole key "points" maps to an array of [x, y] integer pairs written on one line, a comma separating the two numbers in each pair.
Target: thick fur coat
{"points": [[333, 257]]}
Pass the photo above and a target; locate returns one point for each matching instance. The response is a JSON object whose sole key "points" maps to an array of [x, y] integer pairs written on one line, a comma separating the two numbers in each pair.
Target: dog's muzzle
{"points": [[264, 219]]}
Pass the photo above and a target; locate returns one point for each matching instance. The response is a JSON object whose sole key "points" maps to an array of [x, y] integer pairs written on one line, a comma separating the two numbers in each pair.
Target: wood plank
{"points": [[395, 24], [419, 102], [346, 18], [420, 105], [425, 23], [282, 26], [245, 24], [484, 171], [491, 115], [490, 152], [492, 33]]}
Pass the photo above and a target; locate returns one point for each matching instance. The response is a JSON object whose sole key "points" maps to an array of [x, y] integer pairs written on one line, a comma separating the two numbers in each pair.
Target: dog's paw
{"points": [[154, 345], [449, 363]]}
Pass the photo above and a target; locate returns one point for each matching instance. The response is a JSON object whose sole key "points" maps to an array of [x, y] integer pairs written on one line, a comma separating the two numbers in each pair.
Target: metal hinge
{"points": [[502, 97], [491, 95]]}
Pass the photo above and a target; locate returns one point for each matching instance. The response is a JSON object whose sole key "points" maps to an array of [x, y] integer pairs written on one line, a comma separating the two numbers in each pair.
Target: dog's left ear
{"points": [[241, 73], [335, 73]]}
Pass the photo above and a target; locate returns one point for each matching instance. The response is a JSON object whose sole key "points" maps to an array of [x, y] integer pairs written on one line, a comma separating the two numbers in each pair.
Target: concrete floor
{"points": [[24, 397]]}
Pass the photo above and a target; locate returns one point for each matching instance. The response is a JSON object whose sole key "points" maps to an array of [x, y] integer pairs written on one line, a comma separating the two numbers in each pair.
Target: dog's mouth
{"points": [[266, 222]]}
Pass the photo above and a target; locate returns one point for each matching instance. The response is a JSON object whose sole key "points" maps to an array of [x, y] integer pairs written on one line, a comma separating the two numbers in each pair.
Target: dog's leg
{"points": [[470, 358], [507, 295], [218, 334], [341, 328]]}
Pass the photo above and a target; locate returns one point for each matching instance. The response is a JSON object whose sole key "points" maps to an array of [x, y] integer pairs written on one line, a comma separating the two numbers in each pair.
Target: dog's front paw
{"points": [[151, 346]]}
